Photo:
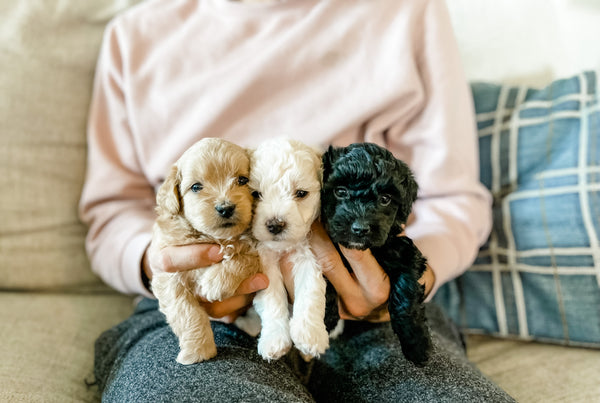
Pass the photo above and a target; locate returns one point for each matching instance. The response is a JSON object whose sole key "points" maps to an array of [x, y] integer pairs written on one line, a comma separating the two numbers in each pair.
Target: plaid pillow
{"points": [[538, 275]]}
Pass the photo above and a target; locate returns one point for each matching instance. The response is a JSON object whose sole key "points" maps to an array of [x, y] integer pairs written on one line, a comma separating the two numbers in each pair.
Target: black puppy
{"points": [[366, 199]]}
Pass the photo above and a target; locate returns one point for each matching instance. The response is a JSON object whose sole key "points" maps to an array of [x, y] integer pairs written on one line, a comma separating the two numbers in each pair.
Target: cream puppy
{"points": [[285, 176], [205, 199]]}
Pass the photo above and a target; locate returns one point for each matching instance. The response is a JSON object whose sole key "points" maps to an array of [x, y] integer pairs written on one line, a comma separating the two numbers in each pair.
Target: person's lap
{"points": [[135, 361], [366, 365]]}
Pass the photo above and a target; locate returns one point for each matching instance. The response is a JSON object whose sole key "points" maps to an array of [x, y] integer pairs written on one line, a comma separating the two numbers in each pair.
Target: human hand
{"points": [[362, 294], [172, 259], [428, 280]]}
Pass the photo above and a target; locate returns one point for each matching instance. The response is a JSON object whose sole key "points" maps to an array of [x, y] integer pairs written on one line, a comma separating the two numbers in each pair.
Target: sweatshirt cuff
{"points": [[442, 257], [132, 264]]}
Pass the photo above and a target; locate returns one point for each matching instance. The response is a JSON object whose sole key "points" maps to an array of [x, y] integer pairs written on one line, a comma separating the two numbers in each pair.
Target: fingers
{"points": [[428, 280], [229, 309], [172, 259], [331, 263], [371, 278], [253, 284], [231, 317], [380, 314], [364, 292]]}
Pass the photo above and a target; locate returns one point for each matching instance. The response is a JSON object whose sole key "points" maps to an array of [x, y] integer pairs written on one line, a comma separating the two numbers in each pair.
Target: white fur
{"points": [[280, 168]]}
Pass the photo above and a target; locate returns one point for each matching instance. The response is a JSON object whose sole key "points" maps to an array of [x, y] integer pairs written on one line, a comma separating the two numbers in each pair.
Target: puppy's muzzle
{"points": [[360, 228], [225, 210], [275, 225]]}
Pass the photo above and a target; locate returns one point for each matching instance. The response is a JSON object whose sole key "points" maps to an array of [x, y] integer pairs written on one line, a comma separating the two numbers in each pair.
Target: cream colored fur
{"points": [[187, 217], [281, 168]]}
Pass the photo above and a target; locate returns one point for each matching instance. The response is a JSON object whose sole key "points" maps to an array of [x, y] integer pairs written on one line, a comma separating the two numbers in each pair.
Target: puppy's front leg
{"points": [[307, 326], [407, 315], [188, 320], [219, 281], [272, 306], [405, 266]]}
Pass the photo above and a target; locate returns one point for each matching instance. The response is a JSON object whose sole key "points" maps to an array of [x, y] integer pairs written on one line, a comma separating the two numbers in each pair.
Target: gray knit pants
{"points": [[135, 362]]}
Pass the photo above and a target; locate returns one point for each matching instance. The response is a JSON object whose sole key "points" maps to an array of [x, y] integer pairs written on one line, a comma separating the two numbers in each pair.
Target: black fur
{"points": [[366, 199]]}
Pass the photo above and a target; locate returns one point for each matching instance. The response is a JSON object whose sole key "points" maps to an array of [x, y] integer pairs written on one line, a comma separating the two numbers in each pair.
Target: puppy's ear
{"points": [[318, 161], [329, 158], [249, 152], [407, 188], [168, 197]]}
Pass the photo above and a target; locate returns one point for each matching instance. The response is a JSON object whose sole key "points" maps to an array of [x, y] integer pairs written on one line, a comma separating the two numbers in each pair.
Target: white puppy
{"points": [[286, 176], [205, 199]]}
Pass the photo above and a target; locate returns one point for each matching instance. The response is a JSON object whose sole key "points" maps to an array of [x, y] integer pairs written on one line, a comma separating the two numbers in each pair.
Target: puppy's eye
{"points": [[256, 194], [242, 180], [196, 187], [301, 194], [385, 200], [340, 192]]}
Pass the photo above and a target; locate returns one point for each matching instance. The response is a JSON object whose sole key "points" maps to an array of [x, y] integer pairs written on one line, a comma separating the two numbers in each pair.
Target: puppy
{"points": [[205, 199], [286, 178], [366, 199]]}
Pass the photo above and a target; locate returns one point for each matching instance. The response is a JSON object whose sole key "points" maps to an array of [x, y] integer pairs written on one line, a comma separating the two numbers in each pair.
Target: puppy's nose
{"points": [[360, 229], [275, 225], [225, 210]]}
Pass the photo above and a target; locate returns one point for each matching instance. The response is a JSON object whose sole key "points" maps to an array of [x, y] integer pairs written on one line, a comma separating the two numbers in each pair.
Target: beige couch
{"points": [[52, 307]]}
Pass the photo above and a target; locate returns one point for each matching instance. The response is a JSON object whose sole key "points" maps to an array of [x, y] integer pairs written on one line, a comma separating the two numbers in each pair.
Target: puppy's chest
{"points": [[220, 280]]}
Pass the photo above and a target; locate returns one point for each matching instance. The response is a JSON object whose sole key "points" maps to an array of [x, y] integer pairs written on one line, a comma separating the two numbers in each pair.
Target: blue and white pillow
{"points": [[538, 275]]}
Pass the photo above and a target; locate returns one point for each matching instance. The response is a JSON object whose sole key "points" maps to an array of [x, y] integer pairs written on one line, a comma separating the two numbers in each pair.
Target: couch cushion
{"points": [[48, 51], [47, 346], [536, 372], [538, 275]]}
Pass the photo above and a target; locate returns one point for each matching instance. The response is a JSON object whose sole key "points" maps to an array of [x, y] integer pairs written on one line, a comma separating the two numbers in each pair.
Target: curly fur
{"points": [[366, 199], [286, 177], [204, 199]]}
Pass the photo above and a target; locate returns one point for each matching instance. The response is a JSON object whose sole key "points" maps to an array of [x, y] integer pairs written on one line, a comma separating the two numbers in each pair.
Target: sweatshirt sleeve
{"points": [[117, 202], [452, 216]]}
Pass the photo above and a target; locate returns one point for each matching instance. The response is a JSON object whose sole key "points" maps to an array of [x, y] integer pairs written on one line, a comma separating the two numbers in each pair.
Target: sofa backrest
{"points": [[48, 52]]}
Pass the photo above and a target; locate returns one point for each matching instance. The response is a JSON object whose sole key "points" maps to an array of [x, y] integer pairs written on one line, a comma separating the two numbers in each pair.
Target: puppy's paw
{"points": [[274, 345], [417, 351], [196, 353], [311, 339], [419, 357], [217, 288]]}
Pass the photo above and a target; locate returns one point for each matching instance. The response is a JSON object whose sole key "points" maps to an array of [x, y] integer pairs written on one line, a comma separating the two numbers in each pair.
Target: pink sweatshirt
{"points": [[324, 72]]}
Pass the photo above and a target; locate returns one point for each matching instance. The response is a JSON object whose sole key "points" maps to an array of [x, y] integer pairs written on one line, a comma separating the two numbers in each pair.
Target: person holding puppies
{"points": [[172, 72]]}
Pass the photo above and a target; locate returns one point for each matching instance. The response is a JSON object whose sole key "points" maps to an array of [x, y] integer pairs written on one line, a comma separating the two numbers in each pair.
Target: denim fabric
{"points": [[135, 362]]}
